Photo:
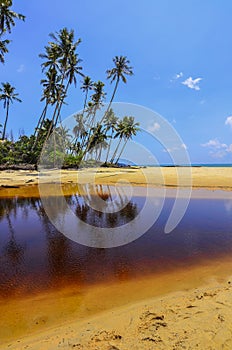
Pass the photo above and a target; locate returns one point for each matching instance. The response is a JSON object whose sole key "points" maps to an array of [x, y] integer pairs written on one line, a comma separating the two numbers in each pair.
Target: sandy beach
{"points": [[24, 183], [188, 309], [197, 318]]}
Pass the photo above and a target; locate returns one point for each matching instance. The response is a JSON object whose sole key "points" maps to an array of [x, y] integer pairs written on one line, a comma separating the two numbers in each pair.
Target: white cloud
{"points": [[192, 83], [175, 148], [218, 149], [215, 143], [176, 77], [179, 75], [229, 121], [154, 127], [21, 68]]}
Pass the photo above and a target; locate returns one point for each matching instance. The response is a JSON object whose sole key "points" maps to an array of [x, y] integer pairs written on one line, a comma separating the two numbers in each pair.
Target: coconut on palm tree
{"points": [[8, 95]]}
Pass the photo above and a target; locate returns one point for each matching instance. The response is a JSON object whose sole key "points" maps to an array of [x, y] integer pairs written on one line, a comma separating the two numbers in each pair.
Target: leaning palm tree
{"points": [[126, 128], [118, 73], [8, 95], [7, 16], [110, 124], [96, 103], [130, 129], [61, 54]]}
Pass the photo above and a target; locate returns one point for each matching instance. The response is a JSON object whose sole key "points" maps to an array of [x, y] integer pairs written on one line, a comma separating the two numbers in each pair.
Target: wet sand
{"points": [[188, 308]]}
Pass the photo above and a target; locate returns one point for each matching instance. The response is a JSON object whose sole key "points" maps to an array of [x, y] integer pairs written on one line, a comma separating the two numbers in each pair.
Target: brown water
{"points": [[37, 261]]}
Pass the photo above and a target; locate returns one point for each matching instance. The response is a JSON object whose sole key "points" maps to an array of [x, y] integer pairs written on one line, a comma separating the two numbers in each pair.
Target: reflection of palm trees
{"points": [[98, 206], [14, 250]]}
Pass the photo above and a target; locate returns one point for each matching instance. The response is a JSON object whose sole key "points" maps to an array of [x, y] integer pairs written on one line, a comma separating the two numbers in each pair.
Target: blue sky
{"points": [[181, 52]]}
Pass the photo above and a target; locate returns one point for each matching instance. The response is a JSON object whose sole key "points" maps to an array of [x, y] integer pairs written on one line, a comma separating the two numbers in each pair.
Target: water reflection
{"points": [[34, 256]]}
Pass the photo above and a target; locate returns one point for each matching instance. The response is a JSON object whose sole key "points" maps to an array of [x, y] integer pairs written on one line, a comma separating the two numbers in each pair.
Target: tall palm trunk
{"points": [[108, 151], [116, 150], [121, 151], [111, 100], [39, 125], [55, 114], [6, 120], [62, 102], [41, 119]]}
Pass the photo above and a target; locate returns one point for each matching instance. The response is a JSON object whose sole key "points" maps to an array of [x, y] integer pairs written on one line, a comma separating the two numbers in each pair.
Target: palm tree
{"points": [[8, 16], [96, 103], [110, 123], [50, 93], [130, 129], [118, 73], [8, 95], [72, 70], [86, 86], [3, 49], [61, 56]]}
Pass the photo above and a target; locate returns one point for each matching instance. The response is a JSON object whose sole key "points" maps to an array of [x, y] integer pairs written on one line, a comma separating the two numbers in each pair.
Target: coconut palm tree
{"points": [[86, 86], [3, 49], [110, 124], [61, 55], [50, 93], [118, 73], [96, 102], [8, 95], [129, 130], [7, 16]]}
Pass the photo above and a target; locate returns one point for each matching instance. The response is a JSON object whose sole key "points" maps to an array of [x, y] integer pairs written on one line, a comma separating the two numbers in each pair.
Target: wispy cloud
{"points": [[21, 68], [175, 148], [192, 83], [177, 76], [229, 121], [154, 127], [217, 148]]}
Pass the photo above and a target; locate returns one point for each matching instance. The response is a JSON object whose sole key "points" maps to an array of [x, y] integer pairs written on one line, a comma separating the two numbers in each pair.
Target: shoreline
{"points": [[24, 183]]}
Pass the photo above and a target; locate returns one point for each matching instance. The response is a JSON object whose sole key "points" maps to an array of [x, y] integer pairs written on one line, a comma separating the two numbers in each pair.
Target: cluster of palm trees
{"points": [[62, 66]]}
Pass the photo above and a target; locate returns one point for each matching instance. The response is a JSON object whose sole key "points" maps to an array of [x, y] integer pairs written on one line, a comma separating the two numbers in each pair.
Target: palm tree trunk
{"points": [[116, 150], [41, 119], [111, 100], [61, 103], [108, 151], [39, 125], [121, 151], [6, 119], [57, 108]]}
